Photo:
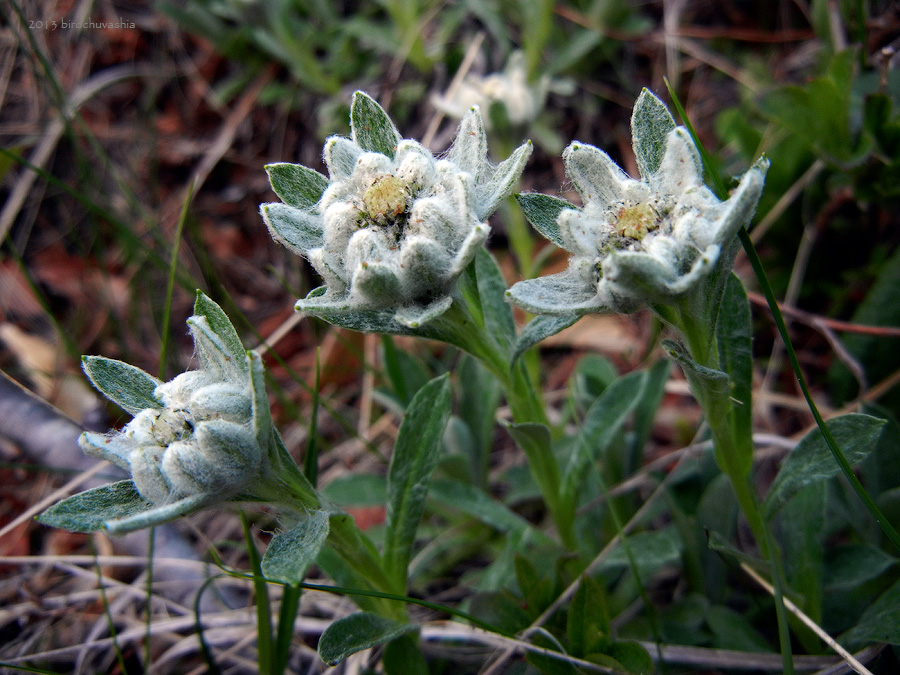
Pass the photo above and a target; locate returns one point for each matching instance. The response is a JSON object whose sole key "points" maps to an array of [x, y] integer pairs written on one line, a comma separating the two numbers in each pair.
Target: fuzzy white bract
{"points": [[199, 443], [393, 227], [640, 242]]}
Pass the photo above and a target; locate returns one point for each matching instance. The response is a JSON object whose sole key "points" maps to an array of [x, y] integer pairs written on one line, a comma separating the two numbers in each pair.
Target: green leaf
{"points": [[357, 632], [220, 325], [370, 127], [592, 375], [357, 489], [477, 503], [298, 231], [542, 211], [820, 112], [540, 328], [296, 185], [527, 577], [263, 427], [129, 387], [651, 123], [879, 623], [402, 656], [587, 622], [734, 631], [500, 609], [416, 453], [853, 565], [368, 321], [645, 412], [535, 441], [803, 542], [878, 356], [735, 335], [724, 547], [478, 396], [498, 315], [632, 656], [544, 663], [290, 553], [603, 421], [90, 510], [811, 461], [416, 316], [406, 372], [651, 550], [344, 574]]}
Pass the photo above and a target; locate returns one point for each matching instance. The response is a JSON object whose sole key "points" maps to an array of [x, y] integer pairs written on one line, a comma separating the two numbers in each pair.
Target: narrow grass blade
{"points": [[170, 288], [290, 604]]}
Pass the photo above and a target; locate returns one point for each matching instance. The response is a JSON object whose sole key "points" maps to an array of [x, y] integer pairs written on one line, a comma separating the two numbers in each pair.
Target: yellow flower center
{"points": [[635, 221], [385, 199]]}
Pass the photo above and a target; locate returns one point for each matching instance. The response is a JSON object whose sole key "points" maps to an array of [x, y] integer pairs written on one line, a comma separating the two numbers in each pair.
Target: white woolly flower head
{"points": [[637, 242], [391, 227], [196, 440], [521, 100]]}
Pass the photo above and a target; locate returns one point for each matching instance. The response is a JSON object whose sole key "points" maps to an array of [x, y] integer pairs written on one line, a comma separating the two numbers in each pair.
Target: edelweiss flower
{"points": [[511, 88], [637, 242], [197, 440], [391, 228]]}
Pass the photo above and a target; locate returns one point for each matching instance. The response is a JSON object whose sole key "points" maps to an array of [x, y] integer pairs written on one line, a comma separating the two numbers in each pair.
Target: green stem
{"points": [[346, 539], [263, 618], [295, 492], [733, 450], [458, 326]]}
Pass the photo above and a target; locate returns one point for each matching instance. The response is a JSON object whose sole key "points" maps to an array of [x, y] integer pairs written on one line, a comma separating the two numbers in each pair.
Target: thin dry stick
{"points": [[672, 10], [53, 497], [223, 142], [875, 392], [7, 59], [812, 625], [833, 324], [451, 630], [844, 354], [715, 659], [279, 333], [114, 587], [455, 83], [694, 656], [716, 61], [804, 250], [242, 617]]}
